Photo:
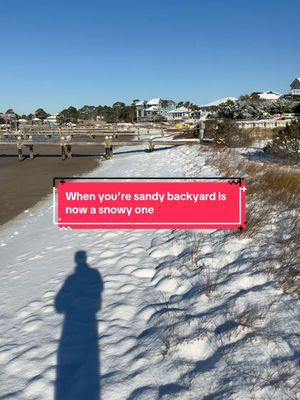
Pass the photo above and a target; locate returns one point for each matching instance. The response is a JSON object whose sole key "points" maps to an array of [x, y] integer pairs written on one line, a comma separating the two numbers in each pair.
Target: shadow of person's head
{"points": [[80, 259]]}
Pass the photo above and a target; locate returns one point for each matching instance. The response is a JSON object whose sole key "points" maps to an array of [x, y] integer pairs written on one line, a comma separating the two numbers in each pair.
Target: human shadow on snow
{"points": [[78, 367]]}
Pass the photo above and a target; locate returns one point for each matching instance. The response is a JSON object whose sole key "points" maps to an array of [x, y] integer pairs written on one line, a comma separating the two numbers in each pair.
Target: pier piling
{"points": [[31, 154], [63, 152], [69, 151], [151, 146], [20, 153]]}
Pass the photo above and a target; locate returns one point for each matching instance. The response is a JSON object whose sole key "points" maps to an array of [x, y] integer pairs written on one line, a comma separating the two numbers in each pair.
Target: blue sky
{"points": [[59, 53]]}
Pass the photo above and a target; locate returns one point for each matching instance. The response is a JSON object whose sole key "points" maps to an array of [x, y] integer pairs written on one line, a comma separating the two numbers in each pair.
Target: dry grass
{"points": [[242, 136], [273, 207], [262, 133]]}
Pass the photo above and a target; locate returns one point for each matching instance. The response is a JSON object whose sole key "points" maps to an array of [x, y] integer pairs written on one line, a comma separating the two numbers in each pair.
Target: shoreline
{"points": [[23, 184], [26, 183]]}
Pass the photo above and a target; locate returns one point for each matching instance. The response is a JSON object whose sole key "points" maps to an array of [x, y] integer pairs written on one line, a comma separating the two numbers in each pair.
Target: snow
{"points": [[152, 108], [179, 110], [160, 306], [154, 102], [269, 95], [218, 102]]}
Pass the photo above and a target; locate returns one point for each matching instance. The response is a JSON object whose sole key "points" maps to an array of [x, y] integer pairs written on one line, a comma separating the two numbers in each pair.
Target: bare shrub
{"points": [[168, 322], [228, 134], [286, 143], [251, 317], [273, 201]]}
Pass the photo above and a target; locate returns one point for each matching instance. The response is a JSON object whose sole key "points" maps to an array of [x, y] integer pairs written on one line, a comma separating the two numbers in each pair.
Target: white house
{"points": [[147, 110], [36, 121], [51, 120], [179, 114], [271, 96], [294, 93]]}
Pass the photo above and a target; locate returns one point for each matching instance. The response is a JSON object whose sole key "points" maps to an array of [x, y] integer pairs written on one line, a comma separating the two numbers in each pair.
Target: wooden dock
{"points": [[92, 132], [112, 136], [65, 145]]}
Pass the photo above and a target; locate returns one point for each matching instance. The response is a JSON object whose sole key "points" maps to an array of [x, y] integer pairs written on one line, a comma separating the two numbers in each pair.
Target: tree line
{"points": [[246, 107], [118, 112]]}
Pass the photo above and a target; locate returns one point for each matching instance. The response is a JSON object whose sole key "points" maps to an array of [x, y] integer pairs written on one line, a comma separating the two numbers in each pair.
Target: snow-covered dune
{"points": [[169, 314]]}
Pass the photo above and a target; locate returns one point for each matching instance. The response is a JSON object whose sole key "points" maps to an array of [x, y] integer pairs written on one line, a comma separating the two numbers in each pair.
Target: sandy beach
{"points": [[24, 183]]}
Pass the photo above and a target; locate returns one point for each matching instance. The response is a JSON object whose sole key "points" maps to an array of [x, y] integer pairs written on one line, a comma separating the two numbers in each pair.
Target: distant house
{"points": [[270, 96], [36, 121], [179, 114], [147, 110], [51, 120], [140, 107], [294, 93]]}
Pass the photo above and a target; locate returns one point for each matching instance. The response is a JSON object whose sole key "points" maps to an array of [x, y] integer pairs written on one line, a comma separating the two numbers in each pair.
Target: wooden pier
{"points": [[84, 131], [65, 145], [109, 136]]}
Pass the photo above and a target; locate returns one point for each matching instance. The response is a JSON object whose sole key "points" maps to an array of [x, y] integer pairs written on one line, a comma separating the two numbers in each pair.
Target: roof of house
{"points": [[153, 102], [152, 108], [295, 80], [179, 110], [140, 103], [218, 102], [269, 95]]}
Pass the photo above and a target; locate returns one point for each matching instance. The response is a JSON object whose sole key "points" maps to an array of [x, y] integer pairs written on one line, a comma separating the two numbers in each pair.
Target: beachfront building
{"points": [[36, 121], [52, 120], [268, 96], [179, 114], [149, 110], [294, 92]]}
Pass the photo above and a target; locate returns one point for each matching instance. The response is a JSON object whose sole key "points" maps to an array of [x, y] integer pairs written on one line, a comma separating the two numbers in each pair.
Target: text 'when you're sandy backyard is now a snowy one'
{"points": [[151, 204]]}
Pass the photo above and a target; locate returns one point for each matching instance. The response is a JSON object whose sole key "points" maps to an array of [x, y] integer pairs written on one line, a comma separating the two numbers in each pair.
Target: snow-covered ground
{"points": [[182, 315]]}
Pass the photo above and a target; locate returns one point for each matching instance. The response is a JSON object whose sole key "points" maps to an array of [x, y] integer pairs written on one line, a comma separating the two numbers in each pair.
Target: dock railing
{"points": [[66, 138]]}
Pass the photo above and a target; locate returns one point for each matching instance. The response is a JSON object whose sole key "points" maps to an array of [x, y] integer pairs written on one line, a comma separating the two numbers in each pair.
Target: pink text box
{"points": [[151, 205]]}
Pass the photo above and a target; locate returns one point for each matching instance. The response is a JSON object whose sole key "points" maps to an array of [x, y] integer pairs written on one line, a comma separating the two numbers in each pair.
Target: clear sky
{"points": [[56, 53]]}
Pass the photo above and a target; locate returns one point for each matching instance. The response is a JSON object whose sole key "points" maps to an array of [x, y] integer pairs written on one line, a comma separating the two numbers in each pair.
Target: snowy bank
{"points": [[174, 314]]}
